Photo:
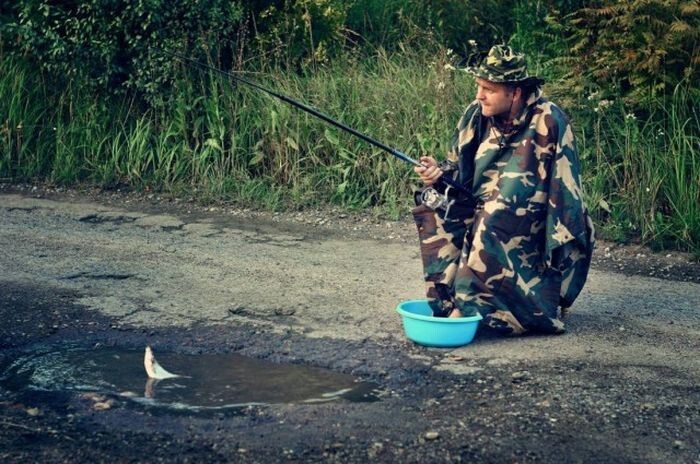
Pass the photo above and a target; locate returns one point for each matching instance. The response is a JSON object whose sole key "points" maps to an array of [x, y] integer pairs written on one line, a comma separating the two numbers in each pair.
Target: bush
{"points": [[111, 45], [391, 22], [636, 49], [297, 32]]}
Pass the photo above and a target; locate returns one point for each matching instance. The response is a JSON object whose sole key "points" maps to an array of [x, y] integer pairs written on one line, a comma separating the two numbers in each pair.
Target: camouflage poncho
{"points": [[522, 254]]}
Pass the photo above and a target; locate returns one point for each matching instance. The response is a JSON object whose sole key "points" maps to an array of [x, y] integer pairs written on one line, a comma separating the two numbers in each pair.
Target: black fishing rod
{"points": [[392, 151]]}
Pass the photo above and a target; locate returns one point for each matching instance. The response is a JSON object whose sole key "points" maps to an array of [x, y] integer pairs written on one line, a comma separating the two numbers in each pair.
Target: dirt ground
{"points": [[319, 288]]}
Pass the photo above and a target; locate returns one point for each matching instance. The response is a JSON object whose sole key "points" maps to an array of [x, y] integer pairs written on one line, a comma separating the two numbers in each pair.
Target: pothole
{"points": [[96, 276], [206, 382], [116, 218]]}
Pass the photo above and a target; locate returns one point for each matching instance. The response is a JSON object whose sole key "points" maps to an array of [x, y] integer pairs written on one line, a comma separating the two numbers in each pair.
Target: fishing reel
{"points": [[438, 201], [451, 201], [434, 199]]}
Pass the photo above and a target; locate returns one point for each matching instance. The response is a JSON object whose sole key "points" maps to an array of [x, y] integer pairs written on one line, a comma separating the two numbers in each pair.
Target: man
{"points": [[517, 246]]}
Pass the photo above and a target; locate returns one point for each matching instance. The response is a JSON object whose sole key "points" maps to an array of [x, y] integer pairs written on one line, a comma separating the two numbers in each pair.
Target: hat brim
{"points": [[530, 80]]}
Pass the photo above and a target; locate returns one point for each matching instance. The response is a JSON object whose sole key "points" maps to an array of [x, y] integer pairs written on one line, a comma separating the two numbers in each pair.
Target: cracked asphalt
{"points": [[620, 386]]}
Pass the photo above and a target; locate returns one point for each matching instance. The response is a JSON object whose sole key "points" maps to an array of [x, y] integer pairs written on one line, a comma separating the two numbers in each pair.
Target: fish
{"points": [[153, 369]]}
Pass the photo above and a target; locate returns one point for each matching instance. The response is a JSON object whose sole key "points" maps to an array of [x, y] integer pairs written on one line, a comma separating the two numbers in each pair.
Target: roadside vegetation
{"points": [[86, 97]]}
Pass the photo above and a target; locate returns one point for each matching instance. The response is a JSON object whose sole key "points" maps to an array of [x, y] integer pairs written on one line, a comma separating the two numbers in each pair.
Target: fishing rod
{"points": [[392, 151]]}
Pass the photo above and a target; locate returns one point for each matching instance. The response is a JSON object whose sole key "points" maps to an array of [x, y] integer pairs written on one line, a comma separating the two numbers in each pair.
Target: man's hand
{"points": [[429, 173]]}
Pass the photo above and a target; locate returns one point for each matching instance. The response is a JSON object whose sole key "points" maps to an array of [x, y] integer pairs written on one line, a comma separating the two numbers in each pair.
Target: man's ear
{"points": [[517, 93]]}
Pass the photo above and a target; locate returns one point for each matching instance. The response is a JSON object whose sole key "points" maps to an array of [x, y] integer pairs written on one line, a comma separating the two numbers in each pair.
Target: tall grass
{"points": [[643, 175], [221, 141], [26, 127]]}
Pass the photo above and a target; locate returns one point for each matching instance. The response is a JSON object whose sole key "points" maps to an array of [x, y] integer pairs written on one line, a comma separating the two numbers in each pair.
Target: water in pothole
{"points": [[208, 382]]}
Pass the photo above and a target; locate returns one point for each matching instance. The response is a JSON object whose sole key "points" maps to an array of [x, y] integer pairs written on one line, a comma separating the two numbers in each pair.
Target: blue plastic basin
{"points": [[421, 327]]}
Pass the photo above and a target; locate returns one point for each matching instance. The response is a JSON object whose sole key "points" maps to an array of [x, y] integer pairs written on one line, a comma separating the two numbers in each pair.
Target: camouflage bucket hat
{"points": [[504, 65]]}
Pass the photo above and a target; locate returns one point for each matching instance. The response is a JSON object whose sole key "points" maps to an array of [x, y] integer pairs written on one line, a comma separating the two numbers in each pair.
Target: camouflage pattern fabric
{"points": [[522, 254], [503, 64]]}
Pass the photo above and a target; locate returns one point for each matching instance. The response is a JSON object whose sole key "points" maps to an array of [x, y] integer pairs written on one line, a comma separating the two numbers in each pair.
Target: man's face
{"points": [[495, 99]]}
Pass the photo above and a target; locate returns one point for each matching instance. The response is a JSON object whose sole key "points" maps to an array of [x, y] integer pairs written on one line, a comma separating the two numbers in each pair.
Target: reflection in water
{"points": [[149, 389], [213, 381]]}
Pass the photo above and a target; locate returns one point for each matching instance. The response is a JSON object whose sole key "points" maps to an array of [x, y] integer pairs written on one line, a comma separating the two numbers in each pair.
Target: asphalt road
{"points": [[620, 386]]}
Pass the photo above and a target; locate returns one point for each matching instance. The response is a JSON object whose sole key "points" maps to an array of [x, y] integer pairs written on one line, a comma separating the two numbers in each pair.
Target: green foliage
{"points": [[106, 108], [536, 35], [218, 137], [641, 173], [636, 49], [297, 32], [388, 23], [109, 44], [25, 130]]}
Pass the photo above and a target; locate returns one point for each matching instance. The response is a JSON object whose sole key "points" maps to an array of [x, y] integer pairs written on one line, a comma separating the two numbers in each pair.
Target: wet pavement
{"points": [[620, 386]]}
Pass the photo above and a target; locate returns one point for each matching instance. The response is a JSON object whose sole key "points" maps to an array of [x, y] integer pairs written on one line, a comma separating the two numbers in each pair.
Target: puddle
{"points": [[209, 382]]}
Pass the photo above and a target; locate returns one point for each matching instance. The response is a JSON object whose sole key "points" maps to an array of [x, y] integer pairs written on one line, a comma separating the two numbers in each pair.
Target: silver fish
{"points": [[153, 369]]}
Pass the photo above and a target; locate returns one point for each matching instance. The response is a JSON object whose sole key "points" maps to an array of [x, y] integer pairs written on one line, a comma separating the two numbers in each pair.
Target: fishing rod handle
{"points": [[447, 180]]}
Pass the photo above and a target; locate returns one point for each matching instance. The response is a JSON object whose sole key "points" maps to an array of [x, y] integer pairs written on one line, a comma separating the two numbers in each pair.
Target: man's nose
{"points": [[479, 94]]}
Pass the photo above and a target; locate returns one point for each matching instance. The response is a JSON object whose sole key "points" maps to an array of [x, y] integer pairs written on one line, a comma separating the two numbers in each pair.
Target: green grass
{"points": [[643, 176], [232, 143]]}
